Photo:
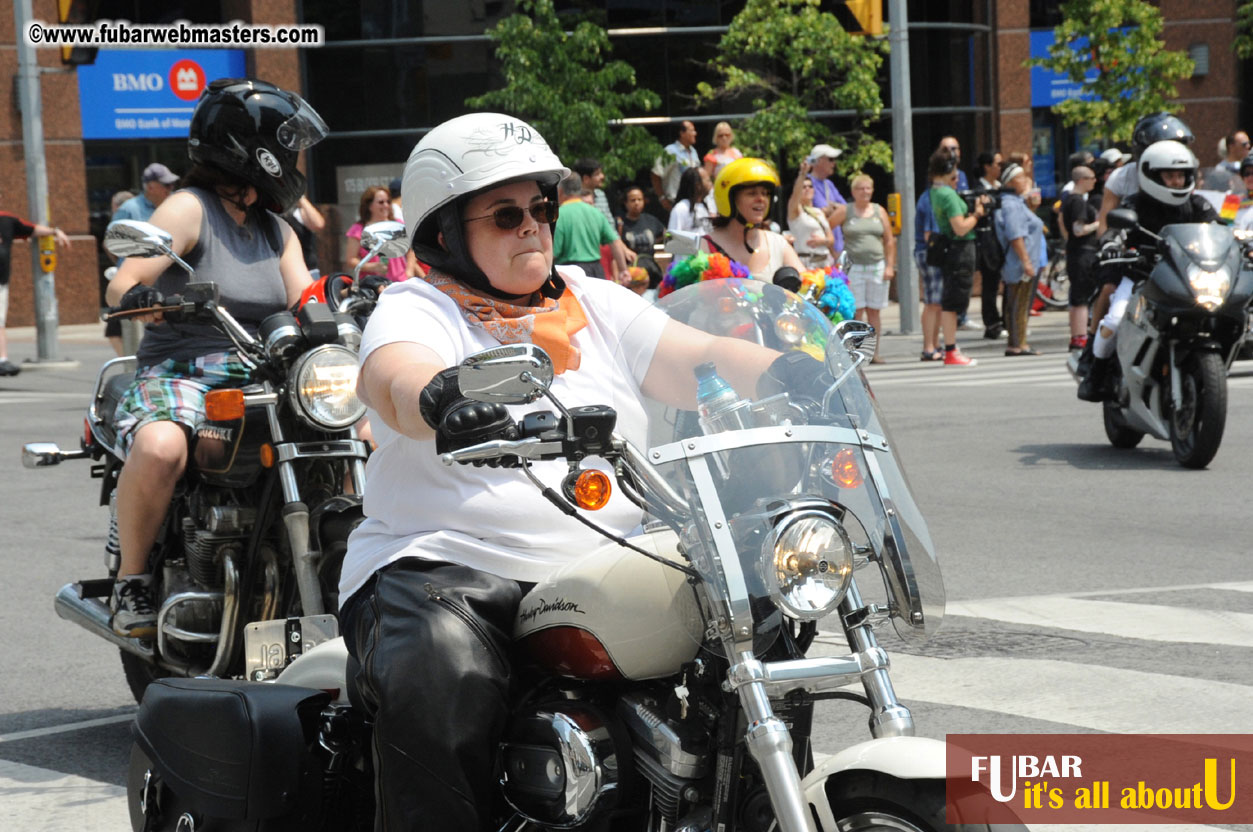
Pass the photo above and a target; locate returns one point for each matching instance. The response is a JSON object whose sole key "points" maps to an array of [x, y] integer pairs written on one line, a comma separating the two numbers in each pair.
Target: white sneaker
{"points": [[971, 325]]}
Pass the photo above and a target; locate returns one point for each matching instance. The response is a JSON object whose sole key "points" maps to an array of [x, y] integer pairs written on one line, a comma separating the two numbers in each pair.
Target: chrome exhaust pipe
{"points": [[92, 615]]}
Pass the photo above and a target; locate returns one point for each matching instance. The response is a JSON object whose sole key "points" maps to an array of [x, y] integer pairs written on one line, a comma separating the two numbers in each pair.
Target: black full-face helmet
{"points": [[1159, 127], [255, 130]]}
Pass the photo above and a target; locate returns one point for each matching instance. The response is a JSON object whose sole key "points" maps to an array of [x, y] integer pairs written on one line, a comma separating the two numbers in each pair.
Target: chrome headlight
{"points": [[1210, 288], [323, 387], [808, 564], [789, 327]]}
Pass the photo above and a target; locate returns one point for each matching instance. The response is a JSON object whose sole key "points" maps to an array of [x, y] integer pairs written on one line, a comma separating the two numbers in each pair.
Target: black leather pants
{"points": [[432, 639]]}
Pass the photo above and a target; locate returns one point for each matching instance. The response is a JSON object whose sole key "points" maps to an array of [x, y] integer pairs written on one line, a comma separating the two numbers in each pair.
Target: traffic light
{"points": [[868, 14], [77, 11]]}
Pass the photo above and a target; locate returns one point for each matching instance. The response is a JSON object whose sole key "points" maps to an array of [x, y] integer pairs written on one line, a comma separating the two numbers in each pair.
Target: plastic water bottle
{"points": [[713, 394]]}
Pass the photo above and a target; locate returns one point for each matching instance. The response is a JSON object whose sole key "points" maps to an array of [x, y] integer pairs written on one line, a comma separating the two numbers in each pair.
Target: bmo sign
{"points": [[147, 94]]}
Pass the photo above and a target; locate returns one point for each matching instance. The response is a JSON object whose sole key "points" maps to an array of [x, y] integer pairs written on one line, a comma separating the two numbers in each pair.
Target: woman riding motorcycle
{"points": [[244, 139], [434, 575], [744, 193], [1166, 172]]}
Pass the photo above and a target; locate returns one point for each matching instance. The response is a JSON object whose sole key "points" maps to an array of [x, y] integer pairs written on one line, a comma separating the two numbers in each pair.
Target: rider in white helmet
{"points": [[434, 575], [1167, 180]]}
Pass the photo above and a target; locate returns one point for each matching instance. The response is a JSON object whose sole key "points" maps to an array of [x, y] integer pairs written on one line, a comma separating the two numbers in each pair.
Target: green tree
{"points": [[1243, 44], [1135, 73], [562, 83], [786, 58]]}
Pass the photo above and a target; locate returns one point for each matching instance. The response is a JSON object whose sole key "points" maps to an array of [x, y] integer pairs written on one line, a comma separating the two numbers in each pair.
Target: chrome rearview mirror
{"points": [[133, 238], [387, 236], [508, 374], [683, 243], [857, 337]]}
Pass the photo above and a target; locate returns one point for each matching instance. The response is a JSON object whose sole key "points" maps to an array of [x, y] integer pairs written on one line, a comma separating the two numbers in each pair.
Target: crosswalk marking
{"points": [[1090, 696], [1150, 622], [40, 800]]}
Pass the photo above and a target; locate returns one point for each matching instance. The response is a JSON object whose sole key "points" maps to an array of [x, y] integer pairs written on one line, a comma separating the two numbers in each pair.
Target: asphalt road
{"points": [[1090, 589]]}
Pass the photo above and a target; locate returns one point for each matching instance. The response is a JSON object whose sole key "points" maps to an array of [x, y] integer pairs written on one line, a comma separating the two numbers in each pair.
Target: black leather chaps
{"points": [[432, 639]]}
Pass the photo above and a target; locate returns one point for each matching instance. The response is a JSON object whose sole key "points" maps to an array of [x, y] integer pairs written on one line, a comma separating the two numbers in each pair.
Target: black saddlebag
{"points": [[233, 750]]}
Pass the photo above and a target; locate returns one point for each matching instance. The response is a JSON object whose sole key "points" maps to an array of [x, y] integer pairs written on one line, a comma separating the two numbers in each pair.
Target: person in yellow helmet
{"points": [[744, 192]]}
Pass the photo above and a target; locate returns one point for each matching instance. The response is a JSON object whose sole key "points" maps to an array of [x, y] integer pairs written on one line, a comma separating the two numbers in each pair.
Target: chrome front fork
{"points": [[888, 717], [770, 743], [768, 738]]}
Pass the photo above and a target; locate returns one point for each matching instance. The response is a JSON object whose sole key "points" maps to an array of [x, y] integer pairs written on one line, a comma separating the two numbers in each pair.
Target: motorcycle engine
{"points": [[560, 764]]}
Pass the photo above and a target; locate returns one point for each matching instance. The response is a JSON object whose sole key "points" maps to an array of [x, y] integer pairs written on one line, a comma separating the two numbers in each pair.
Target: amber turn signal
{"points": [[845, 470], [588, 489], [224, 405], [267, 455]]}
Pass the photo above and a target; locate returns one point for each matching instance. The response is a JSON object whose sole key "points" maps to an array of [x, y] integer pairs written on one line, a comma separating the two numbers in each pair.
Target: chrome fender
{"points": [[325, 667], [906, 758]]}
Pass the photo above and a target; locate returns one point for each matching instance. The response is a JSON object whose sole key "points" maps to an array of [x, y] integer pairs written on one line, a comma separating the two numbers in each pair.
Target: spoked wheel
{"points": [[871, 801], [1053, 284], [1196, 426], [1120, 436]]}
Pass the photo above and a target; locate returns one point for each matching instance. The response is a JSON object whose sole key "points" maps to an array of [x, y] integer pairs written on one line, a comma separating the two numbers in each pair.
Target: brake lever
{"points": [[532, 448]]}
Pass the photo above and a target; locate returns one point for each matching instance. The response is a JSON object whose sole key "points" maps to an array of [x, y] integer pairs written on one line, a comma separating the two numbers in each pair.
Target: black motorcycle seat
{"points": [[232, 749], [114, 388]]}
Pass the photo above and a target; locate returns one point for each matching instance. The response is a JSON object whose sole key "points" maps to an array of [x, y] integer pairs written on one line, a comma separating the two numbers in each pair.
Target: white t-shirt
{"points": [[1123, 182], [686, 217], [495, 519]]}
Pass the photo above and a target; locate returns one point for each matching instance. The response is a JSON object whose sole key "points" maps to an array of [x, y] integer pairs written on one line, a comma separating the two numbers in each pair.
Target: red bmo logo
{"points": [[187, 79]]}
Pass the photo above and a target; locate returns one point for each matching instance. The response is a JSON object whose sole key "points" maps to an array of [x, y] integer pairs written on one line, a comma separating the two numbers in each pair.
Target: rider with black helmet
{"points": [[1123, 182], [244, 139], [1166, 172]]}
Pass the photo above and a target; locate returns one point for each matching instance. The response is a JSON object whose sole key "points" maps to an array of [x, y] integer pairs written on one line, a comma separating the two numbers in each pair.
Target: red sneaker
{"points": [[1078, 342], [960, 359]]}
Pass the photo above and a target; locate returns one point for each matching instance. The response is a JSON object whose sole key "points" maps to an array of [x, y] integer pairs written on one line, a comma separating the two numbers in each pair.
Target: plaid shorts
{"points": [[870, 290], [173, 391], [931, 277]]}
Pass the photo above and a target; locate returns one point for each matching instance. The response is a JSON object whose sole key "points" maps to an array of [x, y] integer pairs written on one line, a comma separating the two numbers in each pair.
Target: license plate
{"points": [[269, 646]]}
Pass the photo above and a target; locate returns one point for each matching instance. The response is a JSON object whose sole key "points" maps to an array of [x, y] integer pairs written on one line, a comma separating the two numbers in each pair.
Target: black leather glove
{"points": [[372, 284], [460, 422], [794, 371], [140, 296]]}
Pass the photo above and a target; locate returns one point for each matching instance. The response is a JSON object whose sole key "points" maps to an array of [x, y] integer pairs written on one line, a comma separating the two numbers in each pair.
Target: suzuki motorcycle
{"points": [[1184, 326], [258, 525], [669, 678]]}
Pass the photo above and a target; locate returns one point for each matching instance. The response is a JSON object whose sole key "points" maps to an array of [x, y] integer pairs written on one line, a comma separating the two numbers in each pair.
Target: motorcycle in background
{"points": [[1184, 325], [246, 564], [664, 679]]}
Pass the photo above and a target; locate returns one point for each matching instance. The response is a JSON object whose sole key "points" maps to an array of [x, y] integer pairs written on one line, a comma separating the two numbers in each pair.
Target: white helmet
{"points": [[457, 159], [1163, 156], [468, 154]]}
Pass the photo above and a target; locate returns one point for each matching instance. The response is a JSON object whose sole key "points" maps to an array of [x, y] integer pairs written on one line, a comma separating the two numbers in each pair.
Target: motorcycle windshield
{"points": [[1206, 244], [774, 443]]}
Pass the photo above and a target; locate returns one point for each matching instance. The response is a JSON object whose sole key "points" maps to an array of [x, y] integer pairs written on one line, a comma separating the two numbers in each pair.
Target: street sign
{"points": [[147, 93]]}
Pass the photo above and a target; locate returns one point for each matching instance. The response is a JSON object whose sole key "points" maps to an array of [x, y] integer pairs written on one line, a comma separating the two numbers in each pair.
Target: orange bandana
{"points": [[548, 327]]}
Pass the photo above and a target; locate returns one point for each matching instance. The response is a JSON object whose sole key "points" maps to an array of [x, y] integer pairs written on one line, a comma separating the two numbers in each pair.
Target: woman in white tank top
{"points": [[745, 191]]}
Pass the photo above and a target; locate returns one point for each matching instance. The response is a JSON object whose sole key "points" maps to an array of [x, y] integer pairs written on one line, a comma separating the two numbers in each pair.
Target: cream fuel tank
{"points": [[613, 614]]}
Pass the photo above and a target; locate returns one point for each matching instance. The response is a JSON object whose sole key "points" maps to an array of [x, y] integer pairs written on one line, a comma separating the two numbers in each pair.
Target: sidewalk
{"points": [[1049, 333]]}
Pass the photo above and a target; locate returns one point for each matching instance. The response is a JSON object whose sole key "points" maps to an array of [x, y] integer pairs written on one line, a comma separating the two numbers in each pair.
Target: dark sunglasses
{"points": [[509, 217]]}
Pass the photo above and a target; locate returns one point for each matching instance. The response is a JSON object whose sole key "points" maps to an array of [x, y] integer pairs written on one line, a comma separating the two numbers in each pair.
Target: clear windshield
{"points": [[1206, 244], [780, 446]]}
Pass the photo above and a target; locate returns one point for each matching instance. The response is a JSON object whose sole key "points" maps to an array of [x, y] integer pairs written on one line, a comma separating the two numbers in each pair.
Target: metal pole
{"points": [[44, 283], [903, 163]]}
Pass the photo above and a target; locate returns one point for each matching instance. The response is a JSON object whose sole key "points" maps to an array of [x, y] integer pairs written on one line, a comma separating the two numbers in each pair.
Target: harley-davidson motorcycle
{"points": [[669, 681], [1184, 326], [258, 525]]}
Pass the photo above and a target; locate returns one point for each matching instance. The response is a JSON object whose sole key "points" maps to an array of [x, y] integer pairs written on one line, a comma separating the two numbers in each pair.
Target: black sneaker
{"points": [[8, 368], [134, 612]]}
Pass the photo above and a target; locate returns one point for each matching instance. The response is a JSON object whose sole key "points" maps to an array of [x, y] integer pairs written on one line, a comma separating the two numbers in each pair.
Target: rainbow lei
{"points": [[697, 267]]}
